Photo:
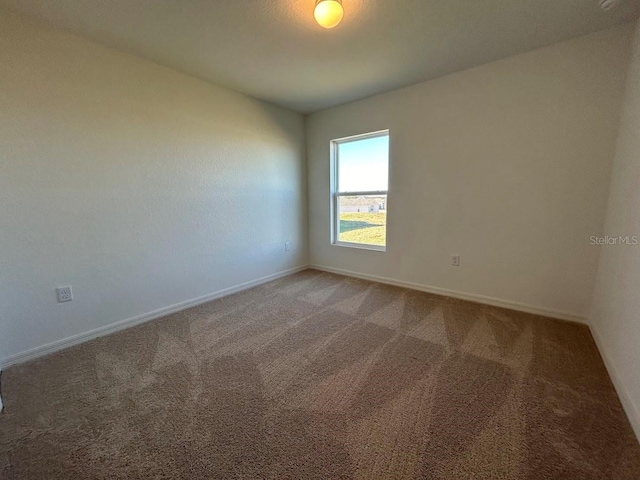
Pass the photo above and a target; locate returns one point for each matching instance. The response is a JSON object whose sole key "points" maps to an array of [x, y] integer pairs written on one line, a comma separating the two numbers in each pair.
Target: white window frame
{"points": [[335, 195]]}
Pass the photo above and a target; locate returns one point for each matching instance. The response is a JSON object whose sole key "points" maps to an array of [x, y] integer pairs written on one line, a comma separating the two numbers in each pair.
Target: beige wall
{"points": [[139, 186], [507, 165], [615, 317]]}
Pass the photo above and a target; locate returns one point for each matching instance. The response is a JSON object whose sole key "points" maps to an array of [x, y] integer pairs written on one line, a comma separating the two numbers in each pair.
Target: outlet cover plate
{"points": [[64, 294]]}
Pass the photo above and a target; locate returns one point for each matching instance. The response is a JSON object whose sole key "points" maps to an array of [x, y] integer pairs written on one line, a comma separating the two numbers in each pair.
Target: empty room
{"points": [[320, 239]]}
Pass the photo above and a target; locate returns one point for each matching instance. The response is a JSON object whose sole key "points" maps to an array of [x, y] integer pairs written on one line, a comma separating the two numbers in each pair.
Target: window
{"points": [[359, 191]]}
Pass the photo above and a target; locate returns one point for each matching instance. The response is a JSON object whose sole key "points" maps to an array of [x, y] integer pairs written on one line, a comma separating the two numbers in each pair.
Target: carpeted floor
{"points": [[321, 376]]}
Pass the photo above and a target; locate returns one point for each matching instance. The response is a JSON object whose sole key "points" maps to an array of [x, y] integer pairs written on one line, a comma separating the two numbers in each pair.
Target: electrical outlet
{"points": [[455, 260], [287, 246], [64, 294]]}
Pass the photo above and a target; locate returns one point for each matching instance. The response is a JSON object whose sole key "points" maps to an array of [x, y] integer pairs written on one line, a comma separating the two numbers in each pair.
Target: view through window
{"points": [[361, 182]]}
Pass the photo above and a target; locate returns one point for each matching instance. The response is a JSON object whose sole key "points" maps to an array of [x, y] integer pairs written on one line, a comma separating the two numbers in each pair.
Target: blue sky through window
{"points": [[363, 165]]}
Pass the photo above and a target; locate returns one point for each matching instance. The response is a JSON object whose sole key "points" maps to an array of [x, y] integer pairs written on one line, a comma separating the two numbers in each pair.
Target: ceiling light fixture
{"points": [[608, 4], [328, 13]]}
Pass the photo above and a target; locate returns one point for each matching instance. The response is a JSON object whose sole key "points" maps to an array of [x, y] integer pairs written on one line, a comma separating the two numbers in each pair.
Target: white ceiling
{"points": [[273, 49]]}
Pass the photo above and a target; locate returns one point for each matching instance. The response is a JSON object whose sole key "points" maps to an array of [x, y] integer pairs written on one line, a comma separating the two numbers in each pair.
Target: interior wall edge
{"points": [[630, 408], [472, 297], [117, 326]]}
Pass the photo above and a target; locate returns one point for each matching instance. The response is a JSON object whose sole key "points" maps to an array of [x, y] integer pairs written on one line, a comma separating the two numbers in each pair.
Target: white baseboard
{"points": [[138, 319], [630, 408], [497, 302]]}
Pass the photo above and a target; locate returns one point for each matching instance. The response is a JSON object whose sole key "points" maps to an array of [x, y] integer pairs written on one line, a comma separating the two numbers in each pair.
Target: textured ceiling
{"points": [[273, 49]]}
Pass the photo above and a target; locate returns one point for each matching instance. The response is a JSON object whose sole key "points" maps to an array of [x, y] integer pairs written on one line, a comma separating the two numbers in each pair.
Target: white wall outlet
{"points": [[455, 260], [64, 294], [287, 246]]}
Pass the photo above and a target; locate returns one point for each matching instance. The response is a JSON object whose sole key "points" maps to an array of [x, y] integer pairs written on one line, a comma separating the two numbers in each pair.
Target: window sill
{"points": [[361, 246]]}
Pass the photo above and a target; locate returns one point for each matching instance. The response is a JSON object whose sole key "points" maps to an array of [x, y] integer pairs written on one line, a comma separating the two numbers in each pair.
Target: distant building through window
{"points": [[360, 183]]}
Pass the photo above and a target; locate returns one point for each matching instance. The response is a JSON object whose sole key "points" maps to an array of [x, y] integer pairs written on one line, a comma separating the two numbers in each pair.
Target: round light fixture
{"points": [[608, 4], [328, 13]]}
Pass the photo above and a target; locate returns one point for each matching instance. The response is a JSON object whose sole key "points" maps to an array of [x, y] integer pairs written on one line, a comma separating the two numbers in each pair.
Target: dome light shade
{"points": [[328, 13]]}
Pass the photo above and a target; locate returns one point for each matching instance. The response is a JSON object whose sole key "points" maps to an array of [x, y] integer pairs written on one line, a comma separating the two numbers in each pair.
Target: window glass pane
{"points": [[363, 165], [363, 219]]}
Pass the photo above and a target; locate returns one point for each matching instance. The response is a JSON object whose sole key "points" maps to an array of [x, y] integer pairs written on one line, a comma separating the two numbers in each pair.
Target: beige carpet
{"points": [[322, 376]]}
